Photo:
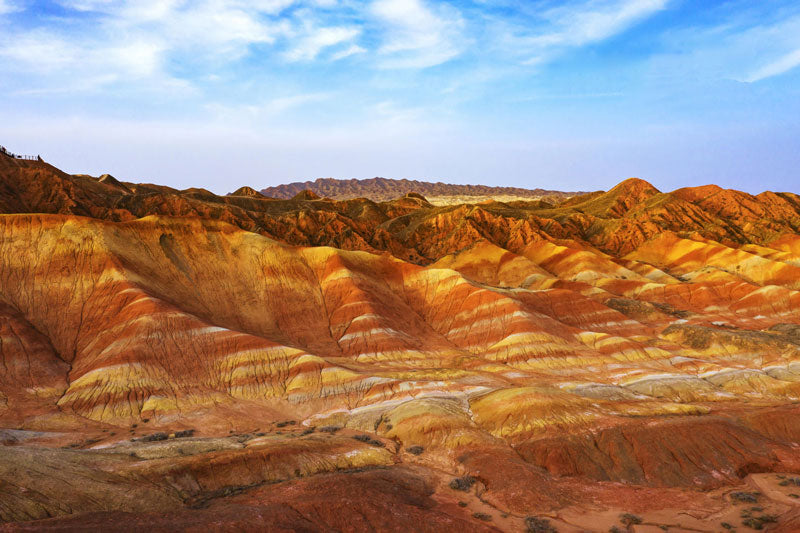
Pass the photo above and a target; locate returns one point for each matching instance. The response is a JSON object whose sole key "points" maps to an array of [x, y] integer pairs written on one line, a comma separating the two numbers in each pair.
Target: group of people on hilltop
{"points": [[17, 156]]}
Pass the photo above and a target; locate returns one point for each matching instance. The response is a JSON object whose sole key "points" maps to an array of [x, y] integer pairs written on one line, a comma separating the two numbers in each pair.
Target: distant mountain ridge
{"points": [[385, 189]]}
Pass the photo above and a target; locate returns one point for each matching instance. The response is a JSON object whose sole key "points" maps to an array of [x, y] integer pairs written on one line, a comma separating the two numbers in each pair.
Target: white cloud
{"points": [[155, 9], [546, 33], [134, 41], [418, 36], [40, 50], [781, 65], [347, 52], [53, 64], [588, 23], [45, 53], [6, 6], [311, 45]]}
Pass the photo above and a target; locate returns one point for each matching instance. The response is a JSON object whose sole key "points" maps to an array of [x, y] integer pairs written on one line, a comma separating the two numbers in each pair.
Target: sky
{"points": [[567, 95]]}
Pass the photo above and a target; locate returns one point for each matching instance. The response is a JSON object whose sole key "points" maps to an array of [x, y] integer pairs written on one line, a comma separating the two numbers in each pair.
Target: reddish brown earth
{"points": [[341, 363]]}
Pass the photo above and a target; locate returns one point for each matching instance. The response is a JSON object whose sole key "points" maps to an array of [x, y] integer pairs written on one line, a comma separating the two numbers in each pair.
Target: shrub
{"points": [[330, 429], [482, 516], [415, 450], [462, 504], [184, 433], [369, 440], [539, 525], [753, 523], [462, 483], [154, 437], [629, 519], [757, 522], [746, 497]]}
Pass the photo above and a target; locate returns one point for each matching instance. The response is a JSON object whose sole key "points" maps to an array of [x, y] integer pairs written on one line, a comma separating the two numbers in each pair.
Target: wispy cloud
{"points": [[580, 24], [781, 65], [550, 30], [6, 6], [309, 46], [347, 52], [744, 47], [418, 35], [130, 41], [46, 53]]}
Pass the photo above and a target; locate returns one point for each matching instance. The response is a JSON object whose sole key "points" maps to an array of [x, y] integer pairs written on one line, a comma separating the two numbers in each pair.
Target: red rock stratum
{"points": [[181, 360]]}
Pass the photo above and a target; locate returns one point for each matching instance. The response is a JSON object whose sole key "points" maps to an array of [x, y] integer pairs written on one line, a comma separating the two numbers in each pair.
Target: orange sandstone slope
{"points": [[637, 348]]}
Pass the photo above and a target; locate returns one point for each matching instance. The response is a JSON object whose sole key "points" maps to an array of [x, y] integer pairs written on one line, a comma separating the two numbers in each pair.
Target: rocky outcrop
{"points": [[703, 452]]}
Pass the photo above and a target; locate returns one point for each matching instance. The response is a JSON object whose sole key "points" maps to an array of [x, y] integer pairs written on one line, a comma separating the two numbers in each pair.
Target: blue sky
{"points": [[571, 95]]}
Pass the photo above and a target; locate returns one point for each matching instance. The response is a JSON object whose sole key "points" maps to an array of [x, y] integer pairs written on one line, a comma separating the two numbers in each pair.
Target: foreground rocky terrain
{"points": [[172, 359]]}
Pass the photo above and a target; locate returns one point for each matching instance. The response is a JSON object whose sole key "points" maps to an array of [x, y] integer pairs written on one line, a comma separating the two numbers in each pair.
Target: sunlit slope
{"points": [[163, 316]]}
